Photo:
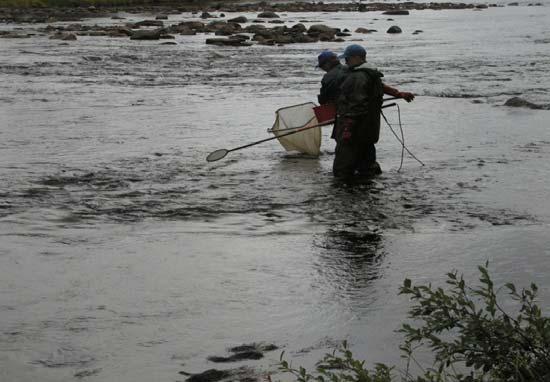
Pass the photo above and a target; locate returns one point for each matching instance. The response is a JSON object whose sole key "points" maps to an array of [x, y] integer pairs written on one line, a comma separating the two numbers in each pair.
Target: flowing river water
{"points": [[125, 256]]}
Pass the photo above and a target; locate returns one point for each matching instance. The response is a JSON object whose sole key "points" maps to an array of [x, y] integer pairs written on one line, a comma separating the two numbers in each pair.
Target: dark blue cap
{"points": [[325, 57], [353, 50]]}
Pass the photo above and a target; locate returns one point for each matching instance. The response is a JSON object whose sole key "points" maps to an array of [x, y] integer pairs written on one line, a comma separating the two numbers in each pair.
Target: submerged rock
{"points": [[241, 374], [254, 346], [520, 102], [63, 36], [245, 352], [211, 375], [239, 356], [397, 12], [364, 30]]}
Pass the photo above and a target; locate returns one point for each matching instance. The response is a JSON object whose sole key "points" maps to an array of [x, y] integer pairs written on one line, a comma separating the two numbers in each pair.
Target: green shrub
{"points": [[471, 337]]}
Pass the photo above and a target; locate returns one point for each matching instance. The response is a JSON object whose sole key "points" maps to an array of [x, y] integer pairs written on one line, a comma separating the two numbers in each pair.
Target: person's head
{"points": [[327, 60], [354, 55]]}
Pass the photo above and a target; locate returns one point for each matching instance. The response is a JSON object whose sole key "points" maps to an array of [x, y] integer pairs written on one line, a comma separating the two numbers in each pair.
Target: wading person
{"points": [[359, 103], [329, 62], [330, 83]]}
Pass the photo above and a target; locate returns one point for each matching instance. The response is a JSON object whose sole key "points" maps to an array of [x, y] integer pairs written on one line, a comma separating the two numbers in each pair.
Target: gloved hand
{"points": [[406, 96], [346, 126]]}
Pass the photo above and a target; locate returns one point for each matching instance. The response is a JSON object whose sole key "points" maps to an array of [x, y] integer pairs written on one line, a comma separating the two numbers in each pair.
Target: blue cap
{"points": [[325, 57], [353, 50]]}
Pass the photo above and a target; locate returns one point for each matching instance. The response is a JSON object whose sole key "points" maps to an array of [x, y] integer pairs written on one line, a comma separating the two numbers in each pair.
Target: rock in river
{"points": [[268, 15], [520, 102], [63, 36], [396, 12], [146, 34], [240, 20], [394, 29], [227, 42]]}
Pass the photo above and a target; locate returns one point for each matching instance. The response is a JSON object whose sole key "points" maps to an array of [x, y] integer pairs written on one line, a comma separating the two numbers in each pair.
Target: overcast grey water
{"points": [[125, 256]]}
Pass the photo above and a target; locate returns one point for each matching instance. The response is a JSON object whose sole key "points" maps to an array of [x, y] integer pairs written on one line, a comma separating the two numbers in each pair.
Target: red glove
{"points": [[406, 96], [346, 128]]}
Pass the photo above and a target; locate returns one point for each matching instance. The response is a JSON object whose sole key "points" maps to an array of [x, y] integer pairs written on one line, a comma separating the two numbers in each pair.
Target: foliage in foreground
{"points": [[470, 336]]}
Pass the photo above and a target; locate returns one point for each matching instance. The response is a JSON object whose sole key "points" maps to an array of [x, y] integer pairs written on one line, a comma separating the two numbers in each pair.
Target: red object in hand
{"points": [[347, 126], [325, 114]]}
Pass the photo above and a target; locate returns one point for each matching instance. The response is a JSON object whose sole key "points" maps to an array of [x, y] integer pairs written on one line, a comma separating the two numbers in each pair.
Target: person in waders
{"points": [[358, 104]]}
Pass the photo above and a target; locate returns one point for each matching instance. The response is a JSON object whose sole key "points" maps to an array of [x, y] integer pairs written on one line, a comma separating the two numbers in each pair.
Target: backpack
{"points": [[369, 127]]}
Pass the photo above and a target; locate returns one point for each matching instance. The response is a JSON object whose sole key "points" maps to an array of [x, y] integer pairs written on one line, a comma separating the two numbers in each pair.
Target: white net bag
{"points": [[295, 117]]}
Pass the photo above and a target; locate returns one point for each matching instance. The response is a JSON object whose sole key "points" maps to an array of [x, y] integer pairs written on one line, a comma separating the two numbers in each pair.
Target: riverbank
{"points": [[30, 12]]}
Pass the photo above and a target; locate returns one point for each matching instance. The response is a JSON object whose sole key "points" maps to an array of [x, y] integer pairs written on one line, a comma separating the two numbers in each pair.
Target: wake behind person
{"points": [[358, 104]]}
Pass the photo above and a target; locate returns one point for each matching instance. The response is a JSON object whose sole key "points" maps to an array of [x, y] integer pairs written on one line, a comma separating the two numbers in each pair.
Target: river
{"points": [[125, 256]]}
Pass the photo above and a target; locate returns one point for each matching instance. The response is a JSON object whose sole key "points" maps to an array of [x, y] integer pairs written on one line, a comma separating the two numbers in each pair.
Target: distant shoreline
{"points": [[40, 11]]}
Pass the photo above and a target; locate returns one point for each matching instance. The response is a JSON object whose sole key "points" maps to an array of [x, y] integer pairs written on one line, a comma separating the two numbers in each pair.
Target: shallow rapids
{"points": [[126, 256]]}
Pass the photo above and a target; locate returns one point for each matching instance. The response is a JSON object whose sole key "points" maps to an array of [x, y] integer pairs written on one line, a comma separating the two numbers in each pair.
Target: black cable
{"points": [[401, 140]]}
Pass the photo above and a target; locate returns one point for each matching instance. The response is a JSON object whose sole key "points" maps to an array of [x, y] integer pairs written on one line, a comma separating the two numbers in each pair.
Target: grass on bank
{"points": [[470, 336]]}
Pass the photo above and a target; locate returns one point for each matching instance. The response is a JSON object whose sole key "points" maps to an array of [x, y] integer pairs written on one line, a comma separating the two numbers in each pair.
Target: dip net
{"points": [[295, 117]]}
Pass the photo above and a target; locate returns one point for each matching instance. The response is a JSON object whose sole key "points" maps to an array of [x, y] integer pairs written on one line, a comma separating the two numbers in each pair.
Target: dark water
{"points": [[125, 256]]}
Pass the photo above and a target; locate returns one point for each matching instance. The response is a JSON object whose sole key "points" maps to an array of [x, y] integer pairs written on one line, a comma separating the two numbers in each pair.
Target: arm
{"points": [[396, 93]]}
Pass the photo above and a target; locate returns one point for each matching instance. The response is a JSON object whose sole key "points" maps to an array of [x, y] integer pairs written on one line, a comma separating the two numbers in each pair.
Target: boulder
{"points": [[149, 23], [394, 29], [169, 43], [223, 28], [299, 28], [119, 32], [254, 28], [227, 42], [206, 15], [146, 34], [240, 20], [514, 4], [276, 22], [268, 15], [363, 30], [321, 28], [161, 17], [63, 36], [195, 26]]}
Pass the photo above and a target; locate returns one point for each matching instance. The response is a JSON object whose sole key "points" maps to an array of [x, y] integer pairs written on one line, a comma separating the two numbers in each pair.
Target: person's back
{"points": [[330, 84], [360, 98]]}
